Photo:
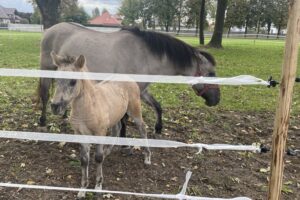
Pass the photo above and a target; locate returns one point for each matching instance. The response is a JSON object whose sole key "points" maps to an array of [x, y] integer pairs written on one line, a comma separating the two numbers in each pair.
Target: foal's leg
{"points": [[151, 101], [85, 159], [142, 129], [102, 151]]}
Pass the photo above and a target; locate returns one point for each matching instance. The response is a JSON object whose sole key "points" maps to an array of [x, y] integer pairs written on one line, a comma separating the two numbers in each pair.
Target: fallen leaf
{"points": [[108, 196], [30, 182], [265, 170]]}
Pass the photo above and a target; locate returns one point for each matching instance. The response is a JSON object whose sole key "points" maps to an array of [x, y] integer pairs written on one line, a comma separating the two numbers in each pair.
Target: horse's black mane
{"points": [[180, 53]]}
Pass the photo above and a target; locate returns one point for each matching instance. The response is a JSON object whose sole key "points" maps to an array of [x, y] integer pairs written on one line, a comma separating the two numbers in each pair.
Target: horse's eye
{"points": [[72, 83]]}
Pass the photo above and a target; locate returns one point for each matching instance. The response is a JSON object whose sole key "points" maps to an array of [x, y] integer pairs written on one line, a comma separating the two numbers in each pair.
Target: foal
{"points": [[95, 110]]}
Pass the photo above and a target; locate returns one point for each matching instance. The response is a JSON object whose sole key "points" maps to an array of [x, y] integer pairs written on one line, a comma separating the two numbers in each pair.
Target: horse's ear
{"points": [[56, 58], [80, 62]]}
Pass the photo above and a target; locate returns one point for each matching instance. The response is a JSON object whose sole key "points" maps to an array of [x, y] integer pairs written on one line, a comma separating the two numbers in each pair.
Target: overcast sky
{"points": [[23, 5]]}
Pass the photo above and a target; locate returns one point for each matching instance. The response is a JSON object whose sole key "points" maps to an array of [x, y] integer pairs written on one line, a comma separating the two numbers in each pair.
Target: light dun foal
{"points": [[96, 109]]}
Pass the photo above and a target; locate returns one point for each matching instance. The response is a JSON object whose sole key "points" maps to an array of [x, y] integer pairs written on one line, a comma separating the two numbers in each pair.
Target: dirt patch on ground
{"points": [[215, 173]]}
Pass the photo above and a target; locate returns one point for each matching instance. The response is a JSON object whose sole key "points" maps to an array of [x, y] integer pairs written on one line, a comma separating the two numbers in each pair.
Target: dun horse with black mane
{"points": [[95, 109], [129, 51]]}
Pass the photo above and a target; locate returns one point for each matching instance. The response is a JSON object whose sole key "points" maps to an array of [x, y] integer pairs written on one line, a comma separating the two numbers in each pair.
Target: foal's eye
{"points": [[72, 83]]}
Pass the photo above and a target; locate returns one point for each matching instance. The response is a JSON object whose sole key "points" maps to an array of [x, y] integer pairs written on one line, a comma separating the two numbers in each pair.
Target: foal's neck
{"points": [[82, 105]]}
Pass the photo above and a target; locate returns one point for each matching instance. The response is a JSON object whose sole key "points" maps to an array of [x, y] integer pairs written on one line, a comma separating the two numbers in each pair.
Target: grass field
{"points": [[261, 58]]}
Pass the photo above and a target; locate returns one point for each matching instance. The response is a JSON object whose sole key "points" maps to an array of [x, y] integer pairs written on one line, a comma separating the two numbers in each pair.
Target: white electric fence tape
{"points": [[180, 196], [87, 139], [238, 80]]}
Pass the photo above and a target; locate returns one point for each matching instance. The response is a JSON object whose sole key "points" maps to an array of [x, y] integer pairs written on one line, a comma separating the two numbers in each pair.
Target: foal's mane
{"points": [[180, 53]]}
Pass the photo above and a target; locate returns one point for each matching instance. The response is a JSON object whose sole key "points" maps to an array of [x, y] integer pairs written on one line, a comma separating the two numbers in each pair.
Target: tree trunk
{"points": [[228, 33], [278, 33], [202, 22], [269, 28], [258, 28], [246, 28], [216, 40], [49, 12], [197, 28], [179, 16]]}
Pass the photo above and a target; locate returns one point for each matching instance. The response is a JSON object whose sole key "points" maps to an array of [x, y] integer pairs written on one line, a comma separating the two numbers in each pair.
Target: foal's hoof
{"points": [[147, 161], [98, 187], [81, 195]]}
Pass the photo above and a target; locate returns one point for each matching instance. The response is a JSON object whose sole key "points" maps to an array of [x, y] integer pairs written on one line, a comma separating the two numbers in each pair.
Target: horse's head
{"points": [[206, 67], [66, 89]]}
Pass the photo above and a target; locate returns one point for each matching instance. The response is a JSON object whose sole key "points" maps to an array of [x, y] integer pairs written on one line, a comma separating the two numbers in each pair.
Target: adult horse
{"points": [[128, 51]]}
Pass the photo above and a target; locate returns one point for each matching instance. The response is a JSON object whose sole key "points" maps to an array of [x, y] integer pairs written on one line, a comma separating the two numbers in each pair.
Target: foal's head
{"points": [[66, 89]]}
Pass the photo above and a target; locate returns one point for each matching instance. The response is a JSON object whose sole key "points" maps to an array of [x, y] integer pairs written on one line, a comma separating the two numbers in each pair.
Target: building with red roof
{"points": [[106, 19]]}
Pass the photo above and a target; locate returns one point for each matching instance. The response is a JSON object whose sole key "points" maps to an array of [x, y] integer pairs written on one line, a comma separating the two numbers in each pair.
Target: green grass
{"points": [[260, 58]]}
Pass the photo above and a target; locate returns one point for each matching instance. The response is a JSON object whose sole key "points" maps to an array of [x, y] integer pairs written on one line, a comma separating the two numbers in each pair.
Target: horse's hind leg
{"points": [[124, 126], [151, 101], [85, 158], [44, 87]]}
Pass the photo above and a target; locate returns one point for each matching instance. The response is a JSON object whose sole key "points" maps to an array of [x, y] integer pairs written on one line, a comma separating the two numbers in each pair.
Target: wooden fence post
{"points": [[281, 124]]}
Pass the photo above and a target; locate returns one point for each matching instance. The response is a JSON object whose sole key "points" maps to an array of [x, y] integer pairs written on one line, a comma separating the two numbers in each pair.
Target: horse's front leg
{"points": [[85, 159], [43, 90]]}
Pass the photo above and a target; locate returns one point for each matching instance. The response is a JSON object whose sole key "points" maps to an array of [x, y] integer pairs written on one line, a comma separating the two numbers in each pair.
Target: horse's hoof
{"points": [[81, 195], [158, 128], [42, 121]]}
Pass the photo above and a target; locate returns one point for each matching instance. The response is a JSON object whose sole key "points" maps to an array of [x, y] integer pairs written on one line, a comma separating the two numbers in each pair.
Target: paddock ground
{"points": [[244, 116]]}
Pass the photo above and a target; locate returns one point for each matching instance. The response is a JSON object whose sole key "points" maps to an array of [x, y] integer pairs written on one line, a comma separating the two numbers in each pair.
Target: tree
{"points": [[179, 14], [130, 10], [192, 12], [267, 18], [104, 10], [202, 22], [236, 14], [49, 12], [280, 15], [216, 40], [26, 16], [71, 12], [36, 16], [96, 12], [165, 10]]}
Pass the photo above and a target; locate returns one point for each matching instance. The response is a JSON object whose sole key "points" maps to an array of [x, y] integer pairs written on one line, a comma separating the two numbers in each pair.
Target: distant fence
{"points": [[184, 32]]}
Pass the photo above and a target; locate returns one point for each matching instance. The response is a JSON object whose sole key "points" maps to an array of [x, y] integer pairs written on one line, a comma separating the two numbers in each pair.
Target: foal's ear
{"points": [[80, 62], [56, 58]]}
